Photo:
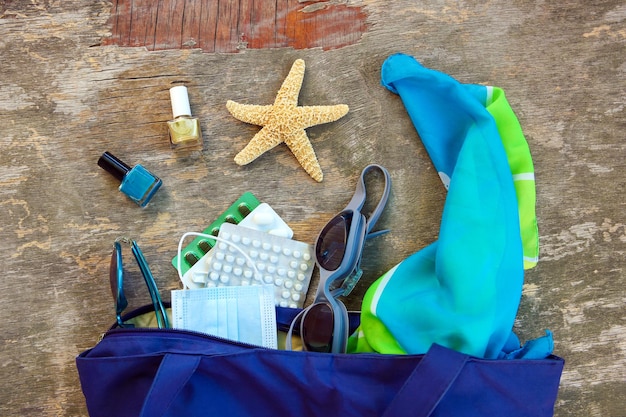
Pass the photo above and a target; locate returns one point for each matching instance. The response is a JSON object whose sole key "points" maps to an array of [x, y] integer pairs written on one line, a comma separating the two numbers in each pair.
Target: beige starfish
{"points": [[285, 121]]}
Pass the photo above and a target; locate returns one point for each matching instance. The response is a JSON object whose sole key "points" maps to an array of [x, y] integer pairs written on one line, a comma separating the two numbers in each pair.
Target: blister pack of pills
{"points": [[244, 256], [200, 246]]}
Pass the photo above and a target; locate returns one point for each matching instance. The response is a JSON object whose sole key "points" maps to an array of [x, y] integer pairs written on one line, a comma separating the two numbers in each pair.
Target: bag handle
{"points": [[173, 374], [428, 383], [418, 397]]}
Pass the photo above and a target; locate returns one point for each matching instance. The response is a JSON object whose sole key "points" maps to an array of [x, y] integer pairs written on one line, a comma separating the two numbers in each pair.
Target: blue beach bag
{"points": [[153, 372]]}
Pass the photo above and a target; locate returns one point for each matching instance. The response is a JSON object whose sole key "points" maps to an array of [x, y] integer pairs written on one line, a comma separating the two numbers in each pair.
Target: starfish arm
{"points": [[249, 113], [303, 151], [290, 89], [262, 142], [308, 116]]}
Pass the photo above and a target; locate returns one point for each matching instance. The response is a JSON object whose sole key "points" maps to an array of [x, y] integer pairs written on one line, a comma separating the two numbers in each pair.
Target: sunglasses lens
{"points": [[113, 273], [115, 270], [331, 244], [317, 328]]}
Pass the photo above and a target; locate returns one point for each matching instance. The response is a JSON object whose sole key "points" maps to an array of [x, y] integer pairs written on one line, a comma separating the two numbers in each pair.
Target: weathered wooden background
{"points": [[81, 77]]}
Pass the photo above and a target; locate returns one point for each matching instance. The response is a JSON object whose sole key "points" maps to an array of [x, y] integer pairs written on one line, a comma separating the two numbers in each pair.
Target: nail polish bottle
{"points": [[184, 129], [137, 183]]}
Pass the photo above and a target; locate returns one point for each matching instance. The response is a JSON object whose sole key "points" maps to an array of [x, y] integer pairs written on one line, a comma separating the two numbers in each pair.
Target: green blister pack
{"points": [[194, 251]]}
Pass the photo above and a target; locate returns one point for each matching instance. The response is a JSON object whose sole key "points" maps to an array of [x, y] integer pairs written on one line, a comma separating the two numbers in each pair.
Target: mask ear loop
{"points": [[179, 266]]}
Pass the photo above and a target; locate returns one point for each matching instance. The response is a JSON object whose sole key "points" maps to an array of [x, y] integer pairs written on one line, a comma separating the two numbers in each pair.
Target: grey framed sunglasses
{"points": [[338, 253]]}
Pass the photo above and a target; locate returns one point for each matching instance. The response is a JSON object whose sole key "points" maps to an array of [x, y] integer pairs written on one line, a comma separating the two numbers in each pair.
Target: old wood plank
{"points": [[227, 26]]}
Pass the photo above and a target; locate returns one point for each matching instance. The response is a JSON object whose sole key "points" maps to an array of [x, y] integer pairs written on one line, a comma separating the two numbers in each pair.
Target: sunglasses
{"points": [[338, 252], [116, 275]]}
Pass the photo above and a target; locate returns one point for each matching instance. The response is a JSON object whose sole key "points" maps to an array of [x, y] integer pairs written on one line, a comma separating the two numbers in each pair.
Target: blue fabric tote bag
{"points": [[167, 372]]}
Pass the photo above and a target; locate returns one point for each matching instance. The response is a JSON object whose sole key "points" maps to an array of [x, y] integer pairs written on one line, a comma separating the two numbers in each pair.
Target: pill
{"points": [[191, 258], [243, 209], [263, 218], [199, 278], [205, 246]]}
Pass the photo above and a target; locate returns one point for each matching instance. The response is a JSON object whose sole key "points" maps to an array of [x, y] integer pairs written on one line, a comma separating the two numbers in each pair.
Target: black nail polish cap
{"points": [[113, 165]]}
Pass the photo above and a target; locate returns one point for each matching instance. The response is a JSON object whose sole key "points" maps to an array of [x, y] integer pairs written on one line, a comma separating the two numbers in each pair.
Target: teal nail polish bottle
{"points": [[137, 183]]}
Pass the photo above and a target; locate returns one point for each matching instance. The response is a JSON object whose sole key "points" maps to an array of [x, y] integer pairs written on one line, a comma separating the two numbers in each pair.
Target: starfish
{"points": [[285, 121]]}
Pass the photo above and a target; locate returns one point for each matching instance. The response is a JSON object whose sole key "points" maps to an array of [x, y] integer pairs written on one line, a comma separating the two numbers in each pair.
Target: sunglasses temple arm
{"points": [[159, 309], [373, 218], [357, 201], [376, 234]]}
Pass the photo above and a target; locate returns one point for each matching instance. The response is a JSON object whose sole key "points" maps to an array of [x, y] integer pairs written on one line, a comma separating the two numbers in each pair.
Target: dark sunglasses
{"points": [[116, 275], [338, 253]]}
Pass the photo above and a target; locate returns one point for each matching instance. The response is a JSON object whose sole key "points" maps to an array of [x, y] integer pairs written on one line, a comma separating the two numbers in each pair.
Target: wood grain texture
{"points": [[229, 26], [66, 97]]}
